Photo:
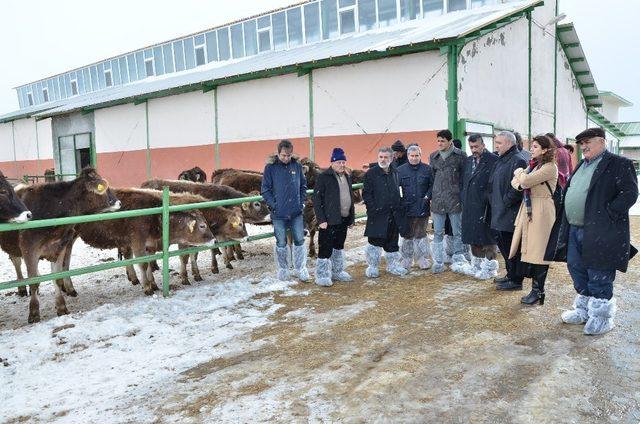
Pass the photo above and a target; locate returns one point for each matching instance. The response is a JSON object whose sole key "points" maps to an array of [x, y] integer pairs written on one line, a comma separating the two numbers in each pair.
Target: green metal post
{"points": [[312, 145], [217, 133], [94, 153], [165, 241], [146, 118], [452, 89], [529, 19]]}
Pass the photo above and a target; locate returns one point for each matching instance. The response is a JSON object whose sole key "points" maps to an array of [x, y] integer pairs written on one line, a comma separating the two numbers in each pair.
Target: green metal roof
{"points": [[599, 118], [629, 128], [624, 102]]}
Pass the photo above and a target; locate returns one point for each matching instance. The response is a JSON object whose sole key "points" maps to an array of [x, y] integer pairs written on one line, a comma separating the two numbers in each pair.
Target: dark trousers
{"points": [[587, 281], [332, 238], [504, 244], [389, 243]]}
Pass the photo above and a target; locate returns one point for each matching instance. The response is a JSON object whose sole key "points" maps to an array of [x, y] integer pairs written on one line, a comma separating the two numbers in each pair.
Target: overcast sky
{"points": [[45, 37]]}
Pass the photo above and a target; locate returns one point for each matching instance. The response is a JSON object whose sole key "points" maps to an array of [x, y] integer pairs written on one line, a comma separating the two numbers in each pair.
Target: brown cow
{"points": [[85, 195], [241, 180], [196, 174], [11, 207], [253, 212], [140, 236]]}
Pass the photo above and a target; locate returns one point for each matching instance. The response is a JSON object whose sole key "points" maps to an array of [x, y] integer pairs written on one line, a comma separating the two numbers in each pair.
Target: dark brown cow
{"points": [[50, 175], [11, 207], [85, 195], [140, 236], [196, 174], [253, 212], [244, 181]]}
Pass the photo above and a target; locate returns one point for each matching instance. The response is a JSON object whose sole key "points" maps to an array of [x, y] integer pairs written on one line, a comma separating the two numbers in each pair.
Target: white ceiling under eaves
{"points": [[578, 61], [448, 26]]}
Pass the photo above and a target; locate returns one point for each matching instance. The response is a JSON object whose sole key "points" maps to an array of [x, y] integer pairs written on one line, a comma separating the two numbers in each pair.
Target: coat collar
{"points": [[273, 159], [602, 165], [455, 151]]}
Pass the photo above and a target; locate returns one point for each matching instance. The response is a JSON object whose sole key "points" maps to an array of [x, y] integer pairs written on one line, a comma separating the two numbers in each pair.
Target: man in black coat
{"points": [[476, 230], [385, 218], [595, 230], [505, 203], [333, 206], [416, 180]]}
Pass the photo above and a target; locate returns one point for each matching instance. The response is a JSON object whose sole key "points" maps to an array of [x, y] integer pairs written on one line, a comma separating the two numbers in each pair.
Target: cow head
{"points": [[254, 212], [95, 194], [196, 174], [11, 207], [230, 225], [189, 228]]}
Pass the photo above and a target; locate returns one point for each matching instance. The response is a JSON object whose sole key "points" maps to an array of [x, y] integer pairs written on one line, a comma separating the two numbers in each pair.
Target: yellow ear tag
{"points": [[235, 224], [101, 188], [192, 225]]}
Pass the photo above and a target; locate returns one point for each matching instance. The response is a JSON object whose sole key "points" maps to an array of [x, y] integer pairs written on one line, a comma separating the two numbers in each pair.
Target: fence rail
{"points": [[164, 210]]}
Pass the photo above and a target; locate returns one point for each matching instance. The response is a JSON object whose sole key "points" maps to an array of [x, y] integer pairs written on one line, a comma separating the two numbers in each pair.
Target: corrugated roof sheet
{"points": [[570, 42], [446, 27], [629, 128]]}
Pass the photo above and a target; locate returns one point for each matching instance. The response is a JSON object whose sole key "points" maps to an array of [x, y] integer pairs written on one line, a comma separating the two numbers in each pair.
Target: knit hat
{"points": [[338, 154], [590, 133], [398, 146]]}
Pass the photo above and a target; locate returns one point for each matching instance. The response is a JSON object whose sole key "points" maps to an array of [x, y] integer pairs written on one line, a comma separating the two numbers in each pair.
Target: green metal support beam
{"points": [[452, 88], [165, 241], [576, 60], [571, 45], [555, 74], [581, 73], [529, 76]]}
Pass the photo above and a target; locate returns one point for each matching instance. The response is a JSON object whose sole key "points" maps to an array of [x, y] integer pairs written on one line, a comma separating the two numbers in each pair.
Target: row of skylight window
{"points": [[308, 23]]}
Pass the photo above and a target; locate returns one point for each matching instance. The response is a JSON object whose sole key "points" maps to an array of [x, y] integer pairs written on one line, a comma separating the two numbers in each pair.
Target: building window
{"points": [[167, 54], [124, 75], [312, 22], [237, 41], [108, 79], [74, 87], [347, 16], [294, 26], [189, 53], [367, 14], [329, 9], [250, 37], [454, 5], [149, 67], [30, 99], [178, 55], [409, 9], [387, 12], [224, 50], [201, 56], [212, 46], [264, 33], [158, 63], [480, 3], [45, 94], [131, 66], [279, 22], [432, 7]]}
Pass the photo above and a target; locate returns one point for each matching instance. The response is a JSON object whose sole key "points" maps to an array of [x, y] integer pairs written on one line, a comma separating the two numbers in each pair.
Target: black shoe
{"points": [[509, 286], [501, 280], [533, 297]]}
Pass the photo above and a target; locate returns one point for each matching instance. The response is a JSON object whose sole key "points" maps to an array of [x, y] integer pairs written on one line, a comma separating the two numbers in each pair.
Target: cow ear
{"points": [[192, 225], [305, 169], [245, 206]]}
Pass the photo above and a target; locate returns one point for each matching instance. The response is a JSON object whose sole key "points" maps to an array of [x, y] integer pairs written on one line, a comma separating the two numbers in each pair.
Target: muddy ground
{"points": [[419, 348]]}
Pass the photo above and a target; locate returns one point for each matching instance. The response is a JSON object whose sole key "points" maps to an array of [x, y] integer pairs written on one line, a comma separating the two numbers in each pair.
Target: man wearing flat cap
{"points": [[595, 230], [399, 154]]}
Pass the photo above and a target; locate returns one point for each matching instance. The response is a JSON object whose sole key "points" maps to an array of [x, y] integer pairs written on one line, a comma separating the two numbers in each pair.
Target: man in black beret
{"points": [[399, 154], [595, 230]]}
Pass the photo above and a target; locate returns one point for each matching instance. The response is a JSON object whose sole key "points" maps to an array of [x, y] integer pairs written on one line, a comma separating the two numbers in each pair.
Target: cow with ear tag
{"points": [[87, 194]]}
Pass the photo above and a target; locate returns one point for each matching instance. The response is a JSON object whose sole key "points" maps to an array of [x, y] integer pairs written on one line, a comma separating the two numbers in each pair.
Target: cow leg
{"points": [[31, 261], [214, 262], [57, 266], [146, 284], [67, 285], [131, 272], [312, 243], [238, 250], [229, 253], [154, 265], [17, 264], [227, 261], [183, 270], [194, 267]]}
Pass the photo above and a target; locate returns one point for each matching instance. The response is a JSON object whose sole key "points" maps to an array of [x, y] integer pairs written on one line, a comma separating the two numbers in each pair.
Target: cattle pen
{"points": [[165, 210]]}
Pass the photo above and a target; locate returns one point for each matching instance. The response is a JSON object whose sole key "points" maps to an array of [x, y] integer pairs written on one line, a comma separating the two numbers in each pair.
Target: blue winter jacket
{"points": [[416, 182], [284, 188]]}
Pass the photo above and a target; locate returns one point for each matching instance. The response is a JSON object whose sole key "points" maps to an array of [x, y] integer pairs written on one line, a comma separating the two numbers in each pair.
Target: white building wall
{"points": [[120, 128], [571, 109], [610, 109], [382, 95], [632, 141], [493, 78], [542, 68], [45, 136], [182, 120], [26, 146], [264, 109], [6, 145]]}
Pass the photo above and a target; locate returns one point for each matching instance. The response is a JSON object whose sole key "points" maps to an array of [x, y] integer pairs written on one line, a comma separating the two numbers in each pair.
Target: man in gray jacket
{"points": [[447, 164]]}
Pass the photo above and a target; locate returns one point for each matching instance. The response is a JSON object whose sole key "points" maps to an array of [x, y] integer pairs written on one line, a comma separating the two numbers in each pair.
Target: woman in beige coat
{"points": [[536, 216]]}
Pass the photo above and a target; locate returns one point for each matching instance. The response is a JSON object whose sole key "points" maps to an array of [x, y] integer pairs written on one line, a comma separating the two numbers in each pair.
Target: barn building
{"points": [[323, 73]]}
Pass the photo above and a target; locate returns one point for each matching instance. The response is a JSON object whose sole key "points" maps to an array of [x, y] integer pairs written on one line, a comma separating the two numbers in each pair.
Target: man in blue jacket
{"points": [[284, 189], [416, 181]]}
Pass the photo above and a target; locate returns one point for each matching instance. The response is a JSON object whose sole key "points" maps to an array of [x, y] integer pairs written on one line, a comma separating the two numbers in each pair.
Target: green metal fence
{"points": [[165, 210]]}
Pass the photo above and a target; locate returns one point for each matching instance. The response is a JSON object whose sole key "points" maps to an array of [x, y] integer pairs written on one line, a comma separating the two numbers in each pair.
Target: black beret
{"points": [[398, 146], [590, 133]]}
